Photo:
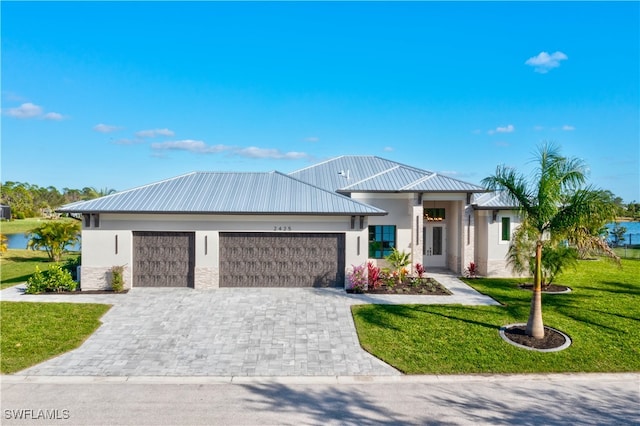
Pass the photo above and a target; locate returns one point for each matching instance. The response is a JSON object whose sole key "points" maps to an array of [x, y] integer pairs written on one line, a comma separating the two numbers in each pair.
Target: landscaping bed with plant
{"points": [[395, 280]]}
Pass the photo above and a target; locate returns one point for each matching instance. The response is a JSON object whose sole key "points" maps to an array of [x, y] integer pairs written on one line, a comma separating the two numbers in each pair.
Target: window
{"points": [[506, 229], [382, 238], [87, 220], [434, 215], [96, 220]]}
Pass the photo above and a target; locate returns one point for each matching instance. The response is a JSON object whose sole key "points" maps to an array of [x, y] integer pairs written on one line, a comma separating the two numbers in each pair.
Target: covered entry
{"points": [[163, 259], [267, 259]]}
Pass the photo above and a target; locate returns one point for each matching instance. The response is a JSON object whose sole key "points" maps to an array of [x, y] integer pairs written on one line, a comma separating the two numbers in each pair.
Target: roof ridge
{"points": [[418, 181], [371, 177], [317, 164], [330, 192], [135, 188]]}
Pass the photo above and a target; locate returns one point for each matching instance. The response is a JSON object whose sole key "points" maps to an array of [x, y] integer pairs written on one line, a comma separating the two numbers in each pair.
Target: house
{"points": [[5, 212], [304, 229]]}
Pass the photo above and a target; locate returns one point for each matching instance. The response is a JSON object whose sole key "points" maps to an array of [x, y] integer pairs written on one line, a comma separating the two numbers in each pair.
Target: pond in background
{"points": [[19, 241], [632, 236]]}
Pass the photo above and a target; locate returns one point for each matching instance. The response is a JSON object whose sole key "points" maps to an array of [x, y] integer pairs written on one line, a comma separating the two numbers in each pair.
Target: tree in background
{"points": [[552, 205], [54, 237], [4, 244]]}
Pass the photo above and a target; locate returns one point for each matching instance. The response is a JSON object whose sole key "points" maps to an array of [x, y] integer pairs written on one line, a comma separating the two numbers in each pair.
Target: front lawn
{"points": [[31, 333], [601, 315], [22, 226]]}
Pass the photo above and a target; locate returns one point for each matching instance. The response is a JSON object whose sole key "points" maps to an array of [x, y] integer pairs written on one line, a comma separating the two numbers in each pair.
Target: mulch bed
{"points": [[79, 292], [552, 339], [553, 288], [426, 287]]}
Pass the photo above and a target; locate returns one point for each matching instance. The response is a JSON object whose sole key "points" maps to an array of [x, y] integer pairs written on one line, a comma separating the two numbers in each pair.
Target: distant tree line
{"points": [[28, 200]]}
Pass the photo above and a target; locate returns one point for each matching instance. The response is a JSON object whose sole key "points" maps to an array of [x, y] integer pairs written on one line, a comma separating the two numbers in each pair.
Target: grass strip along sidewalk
{"points": [[601, 315]]}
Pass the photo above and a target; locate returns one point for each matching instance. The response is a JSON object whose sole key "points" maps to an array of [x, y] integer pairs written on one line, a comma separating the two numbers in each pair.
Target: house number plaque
{"points": [[281, 228]]}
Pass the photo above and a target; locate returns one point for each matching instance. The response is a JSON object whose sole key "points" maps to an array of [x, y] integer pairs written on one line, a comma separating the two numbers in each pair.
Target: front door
{"points": [[435, 244]]}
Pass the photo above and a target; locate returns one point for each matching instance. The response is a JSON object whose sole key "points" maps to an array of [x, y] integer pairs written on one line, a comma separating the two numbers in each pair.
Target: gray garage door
{"points": [[163, 259], [281, 260]]}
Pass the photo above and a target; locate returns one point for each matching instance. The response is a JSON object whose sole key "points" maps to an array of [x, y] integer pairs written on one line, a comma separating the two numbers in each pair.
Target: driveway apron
{"points": [[226, 332]]}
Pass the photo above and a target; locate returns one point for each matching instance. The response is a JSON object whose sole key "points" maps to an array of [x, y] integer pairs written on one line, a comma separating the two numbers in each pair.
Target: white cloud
{"points": [[105, 128], [255, 152], [544, 62], [200, 147], [503, 129], [53, 116], [190, 145], [502, 144], [29, 110], [312, 139], [568, 128], [154, 133], [26, 110], [387, 149], [126, 141]]}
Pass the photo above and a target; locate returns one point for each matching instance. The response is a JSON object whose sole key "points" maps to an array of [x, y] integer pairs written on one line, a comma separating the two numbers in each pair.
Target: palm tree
{"points": [[553, 206]]}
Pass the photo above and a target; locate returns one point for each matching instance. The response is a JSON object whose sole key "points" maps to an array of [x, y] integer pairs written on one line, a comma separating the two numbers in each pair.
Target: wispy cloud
{"points": [[154, 133], [312, 139], [29, 110], [190, 145], [106, 128], [255, 152], [503, 129], [387, 149], [200, 147], [53, 116], [26, 110], [543, 62], [568, 128], [502, 144], [125, 141]]}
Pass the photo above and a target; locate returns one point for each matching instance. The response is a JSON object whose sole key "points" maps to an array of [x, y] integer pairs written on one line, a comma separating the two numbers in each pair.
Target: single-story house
{"points": [[5, 212], [302, 229]]}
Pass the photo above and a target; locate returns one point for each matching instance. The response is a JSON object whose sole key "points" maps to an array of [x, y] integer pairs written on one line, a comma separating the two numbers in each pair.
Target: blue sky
{"points": [[119, 94]]}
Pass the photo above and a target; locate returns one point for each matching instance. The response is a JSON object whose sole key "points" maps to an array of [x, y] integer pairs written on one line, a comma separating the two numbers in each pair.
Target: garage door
{"points": [[281, 260], [163, 259]]}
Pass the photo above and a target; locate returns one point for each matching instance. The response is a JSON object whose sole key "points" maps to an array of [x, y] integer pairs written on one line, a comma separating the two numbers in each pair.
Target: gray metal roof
{"points": [[494, 200], [374, 174], [226, 193]]}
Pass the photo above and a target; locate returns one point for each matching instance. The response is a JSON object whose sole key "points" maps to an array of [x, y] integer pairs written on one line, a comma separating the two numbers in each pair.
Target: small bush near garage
{"points": [[56, 279], [117, 278]]}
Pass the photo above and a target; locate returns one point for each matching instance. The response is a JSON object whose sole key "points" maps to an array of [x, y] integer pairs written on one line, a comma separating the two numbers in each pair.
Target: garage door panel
{"points": [[281, 260], [163, 259]]}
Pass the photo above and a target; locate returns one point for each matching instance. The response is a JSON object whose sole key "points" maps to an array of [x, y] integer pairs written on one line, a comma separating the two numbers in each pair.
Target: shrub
{"points": [[374, 275], [56, 279], [357, 278], [471, 271], [72, 264], [117, 278], [420, 270]]}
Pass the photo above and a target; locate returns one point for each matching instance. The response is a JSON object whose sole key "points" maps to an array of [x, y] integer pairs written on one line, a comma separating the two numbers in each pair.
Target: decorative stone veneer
{"points": [[99, 278], [206, 278]]}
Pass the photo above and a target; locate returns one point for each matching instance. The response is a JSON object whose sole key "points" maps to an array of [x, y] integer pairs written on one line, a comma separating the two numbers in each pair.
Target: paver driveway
{"points": [[228, 332]]}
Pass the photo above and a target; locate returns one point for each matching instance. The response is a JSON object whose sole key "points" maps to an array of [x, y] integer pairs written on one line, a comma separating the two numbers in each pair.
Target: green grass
{"points": [[601, 315], [17, 265], [628, 253], [21, 226], [31, 333]]}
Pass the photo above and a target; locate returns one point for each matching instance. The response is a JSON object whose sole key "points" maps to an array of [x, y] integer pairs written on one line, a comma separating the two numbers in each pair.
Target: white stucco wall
{"points": [[491, 251], [99, 251]]}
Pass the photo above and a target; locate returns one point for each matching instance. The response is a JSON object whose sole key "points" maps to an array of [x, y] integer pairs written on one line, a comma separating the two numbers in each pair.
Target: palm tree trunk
{"points": [[535, 327]]}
